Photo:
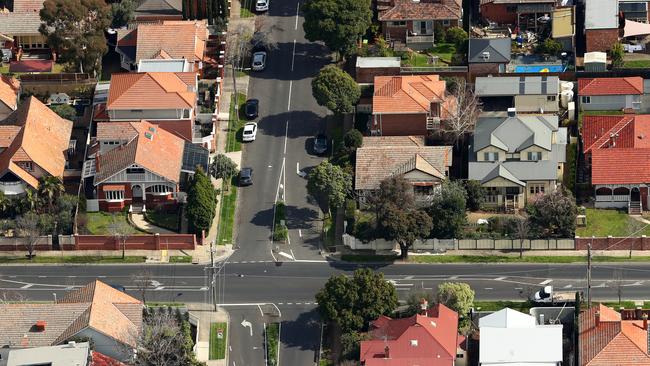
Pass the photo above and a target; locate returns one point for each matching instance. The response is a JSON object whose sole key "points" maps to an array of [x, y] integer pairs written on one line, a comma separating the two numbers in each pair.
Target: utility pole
{"points": [[589, 275], [212, 274]]}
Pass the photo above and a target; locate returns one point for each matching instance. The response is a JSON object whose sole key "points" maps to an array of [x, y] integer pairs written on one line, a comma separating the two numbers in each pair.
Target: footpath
{"points": [[203, 316]]}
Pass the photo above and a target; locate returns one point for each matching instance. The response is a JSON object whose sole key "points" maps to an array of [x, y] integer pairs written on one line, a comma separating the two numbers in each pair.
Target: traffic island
{"points": [[272, 343]]}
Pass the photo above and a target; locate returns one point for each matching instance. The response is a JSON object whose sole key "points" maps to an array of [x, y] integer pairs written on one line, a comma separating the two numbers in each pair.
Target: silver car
{"points": [[259, 61]]}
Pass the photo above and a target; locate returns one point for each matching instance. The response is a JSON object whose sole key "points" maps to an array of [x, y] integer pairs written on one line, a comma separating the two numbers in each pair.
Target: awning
{"points": [[113, 187], [635, 28]]}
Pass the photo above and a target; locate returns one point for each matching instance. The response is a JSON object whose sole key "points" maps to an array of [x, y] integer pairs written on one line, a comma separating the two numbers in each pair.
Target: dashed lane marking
{"points": [[546, 282]]}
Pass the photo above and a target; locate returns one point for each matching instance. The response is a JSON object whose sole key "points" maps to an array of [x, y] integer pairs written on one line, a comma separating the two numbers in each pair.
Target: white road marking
{"points": [[289, 101], [291, 250], [261, 312], [637, 283], [300, 233], [519, 288], [27, 285], [453, 277], [297, 11], [545, 282], [204, 288], [408, 277], [270, 166], [500, 278], [286, 255], [42, 276], [286, 137], [159, 288], [568, 286], [293, 55], [246, 324], [489, 288]]}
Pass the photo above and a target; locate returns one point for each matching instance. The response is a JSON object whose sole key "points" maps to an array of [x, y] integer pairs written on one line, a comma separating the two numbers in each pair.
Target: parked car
{"points": [[262, 5], [259, 61], [246, 177], [251, 108], [5, 54], [250, 132], [546, 295], [320, 144]]}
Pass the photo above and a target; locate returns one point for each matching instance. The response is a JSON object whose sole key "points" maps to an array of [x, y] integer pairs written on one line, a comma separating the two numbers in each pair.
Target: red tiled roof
{"points": [[420, 339], [152, 90], [610, 86], [620, 166], [596, 131], [410, 94], [9, 88], [424, 9], [100, 359]]}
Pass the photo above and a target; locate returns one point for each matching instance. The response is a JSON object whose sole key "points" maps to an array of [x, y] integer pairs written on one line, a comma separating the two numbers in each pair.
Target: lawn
{"points": [[180, 259], [167, 220], [522, 306], [98, 223], [634, 64], [525, 259], [227, 214], [233, 141], [89, 259], [272, 342], [217, 344], [617, 223]]}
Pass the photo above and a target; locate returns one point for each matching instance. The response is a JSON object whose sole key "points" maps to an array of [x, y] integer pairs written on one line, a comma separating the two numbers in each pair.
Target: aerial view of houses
{"points": [[265, 183]]}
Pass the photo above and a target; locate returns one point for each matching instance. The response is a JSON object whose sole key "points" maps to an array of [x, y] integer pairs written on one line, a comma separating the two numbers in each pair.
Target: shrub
{"points": [[280, 233], [456, 35]]}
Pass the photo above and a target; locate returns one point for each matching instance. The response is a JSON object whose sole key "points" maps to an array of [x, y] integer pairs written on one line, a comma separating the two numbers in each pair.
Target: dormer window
{"points": [[534, 155], [491, 156]]}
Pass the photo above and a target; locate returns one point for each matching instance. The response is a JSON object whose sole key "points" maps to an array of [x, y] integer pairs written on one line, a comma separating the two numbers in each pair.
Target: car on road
{"points": [[252, 108], [259, 61], [320, 144], [246, 177], [250, 132], [262, 5]]}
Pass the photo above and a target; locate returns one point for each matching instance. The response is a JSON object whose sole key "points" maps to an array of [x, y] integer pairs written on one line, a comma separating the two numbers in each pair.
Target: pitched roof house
{"points": [[167, 99], [536, 94], [426, 167], [137, 162], [509, 337], [409, 105], [70, 354], [430, 338], [488, 56], [605, 339], [24, 157], [617, 149], [598, 94], [517, 157], [9, 91], [153, 10], [169, 39], [110, 317], [414, 22], [19, 23]]}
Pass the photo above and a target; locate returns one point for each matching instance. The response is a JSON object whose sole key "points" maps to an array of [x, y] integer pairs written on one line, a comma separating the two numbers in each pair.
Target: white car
{"points": [[262, 5], [250, 132], [259, 61]]}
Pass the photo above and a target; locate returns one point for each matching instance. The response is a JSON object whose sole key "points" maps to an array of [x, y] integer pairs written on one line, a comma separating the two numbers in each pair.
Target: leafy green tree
{"points": [[329, 183], [65, 111], [353, 139], [617, 52], [335, 89], [50, 188], [550, 46], [352, 302], [338, 23], [414, 302], [75, 30], [223, 167], [351, 344], [201, 203], [475, 194], [457, 296], [447, 210], [122, 13], [405, 225], [553, 215], [457, 36]]}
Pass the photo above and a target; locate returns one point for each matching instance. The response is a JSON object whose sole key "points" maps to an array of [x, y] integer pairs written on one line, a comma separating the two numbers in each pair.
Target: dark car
{"points": [[251, 108], [246, 177], [320, 144]]}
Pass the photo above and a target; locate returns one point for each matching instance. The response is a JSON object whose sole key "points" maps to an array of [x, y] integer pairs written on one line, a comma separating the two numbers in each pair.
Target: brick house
{"points": [[514, 12], [139, 163], [414, 22], [428, 338], [9, 91], [601, 24], [409, 105], [487, 56], [19, 23], [602, 94], [166, 99]]}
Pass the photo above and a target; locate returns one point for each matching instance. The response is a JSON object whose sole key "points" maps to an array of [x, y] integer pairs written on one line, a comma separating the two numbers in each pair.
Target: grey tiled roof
{"points": [[486, 86], [513, 134], [498, 49]]}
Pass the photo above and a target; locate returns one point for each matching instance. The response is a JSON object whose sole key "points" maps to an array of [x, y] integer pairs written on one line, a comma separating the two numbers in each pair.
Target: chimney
{"points": [[597, 318], [512, 112], [387, 352], [424, 305], [639, 313], [40, 325], [645, 322]]}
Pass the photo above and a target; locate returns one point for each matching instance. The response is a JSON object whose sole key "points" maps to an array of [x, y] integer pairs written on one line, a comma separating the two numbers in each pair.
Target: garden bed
{"points": [[218, 343], [617, 223]]}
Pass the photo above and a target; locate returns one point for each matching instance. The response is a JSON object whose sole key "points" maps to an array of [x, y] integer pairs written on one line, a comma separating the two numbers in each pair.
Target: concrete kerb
{"points": [[205, 315]]}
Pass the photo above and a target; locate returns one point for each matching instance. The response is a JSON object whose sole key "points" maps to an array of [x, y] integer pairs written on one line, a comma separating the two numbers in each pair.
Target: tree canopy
{"points": [[329, 183], [122, 13], [335, 89], [617, 52], [553, 215], [353, 139], [475, 194], [457, 296], [338, 23], [75, 30], [223, 167], [65, 111], [201, 202], [405, 225], [447, 210], [353, 302]]}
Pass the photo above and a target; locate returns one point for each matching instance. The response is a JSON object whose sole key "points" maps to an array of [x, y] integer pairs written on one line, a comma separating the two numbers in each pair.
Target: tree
{"points": [[338, 23], [163, 341], [457, 296], [329, 184], [462, 112], [447, 210], [351, 345], [457, 36], [353, 139], [122, 13], [142, 280], [335, 89], [120, 230], [201, 203], [522, 232], [553, 215], [353, 302], [50, 188], [29, 229], [475, 195], [223, 167], [414, 302], [75, 30], [65, 111], [405, 225], [617, 52], [550, 46]]}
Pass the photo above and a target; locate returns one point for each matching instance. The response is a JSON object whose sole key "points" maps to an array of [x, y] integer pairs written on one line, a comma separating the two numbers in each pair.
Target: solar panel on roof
{"points": [[193, 156]]}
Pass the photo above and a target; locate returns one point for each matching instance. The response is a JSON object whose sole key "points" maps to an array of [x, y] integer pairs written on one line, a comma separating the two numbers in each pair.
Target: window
{"points": [[550, 98], [446, 22], [134, 170], [27, 165], [491, 156], [398, 24], [186, 113], [534, 155], [422, 190], [160, 189], [114, 195], [512, 190], [111, 142], [511, 9], [586, 100], [536, 188]]}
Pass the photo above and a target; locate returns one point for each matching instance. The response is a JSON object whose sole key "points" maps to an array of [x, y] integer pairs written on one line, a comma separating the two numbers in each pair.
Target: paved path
{"points": [[204, 316], [139, 221]]}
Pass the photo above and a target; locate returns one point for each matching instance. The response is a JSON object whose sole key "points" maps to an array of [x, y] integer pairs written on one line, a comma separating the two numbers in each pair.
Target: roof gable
{"points": [[513, 134], [499, 50], [409, 94], [610, 86], [9, 90], [152, 90]]}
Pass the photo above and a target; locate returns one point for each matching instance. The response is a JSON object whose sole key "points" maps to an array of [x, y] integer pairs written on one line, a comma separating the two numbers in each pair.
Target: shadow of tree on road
{"points": [[303, 332]]}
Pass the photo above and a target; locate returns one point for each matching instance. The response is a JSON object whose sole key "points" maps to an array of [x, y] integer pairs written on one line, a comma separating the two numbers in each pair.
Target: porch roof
{"points": [[519, 171], [502, 172]]}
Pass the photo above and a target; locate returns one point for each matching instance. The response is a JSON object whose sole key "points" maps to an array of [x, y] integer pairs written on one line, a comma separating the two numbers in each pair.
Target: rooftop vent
{"points": [[152, 129], [40, 325], [512, 112], [485, 55], [414, 342], [148, 135]]}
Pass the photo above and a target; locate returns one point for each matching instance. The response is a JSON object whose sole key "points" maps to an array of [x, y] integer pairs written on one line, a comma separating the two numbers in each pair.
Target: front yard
{"points": [[165, 218], [617, 223], [99, 223]]}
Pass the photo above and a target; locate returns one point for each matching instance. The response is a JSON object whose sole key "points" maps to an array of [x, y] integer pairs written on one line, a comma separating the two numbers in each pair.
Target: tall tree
{"points": [[223, 167], [463, 111], [553, 215], [29, 228], [457, 296], [122, 13], [353, 139], [338, 23], [163, 341], [121, 231], [405, 225], [329, 184], [353, 302], [447, 209], [335, 89], [201, 203], [475, 194], [50, 188], [75, 29]]}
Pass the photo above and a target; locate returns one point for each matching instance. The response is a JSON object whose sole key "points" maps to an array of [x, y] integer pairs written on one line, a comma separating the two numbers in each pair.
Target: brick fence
{"points": [[613, 243], [139, 242], [18, 244]]}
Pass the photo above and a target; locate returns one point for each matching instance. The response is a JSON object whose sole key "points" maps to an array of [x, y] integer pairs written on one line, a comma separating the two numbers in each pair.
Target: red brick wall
{"points": [[482, 70], [142, 242], [113, 206], [367, 75], [155, 199], [613, 243], [395, 33], [401, 124], [601, 39], [498, 13]]}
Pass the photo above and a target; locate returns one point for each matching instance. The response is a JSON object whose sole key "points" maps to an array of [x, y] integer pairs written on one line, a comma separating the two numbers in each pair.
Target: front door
{"points": [[137, 194], [635, 195]]}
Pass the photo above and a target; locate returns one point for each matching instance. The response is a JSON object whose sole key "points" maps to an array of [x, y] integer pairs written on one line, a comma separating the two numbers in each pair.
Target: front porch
{"points": [[632, 198], [508, 199]]}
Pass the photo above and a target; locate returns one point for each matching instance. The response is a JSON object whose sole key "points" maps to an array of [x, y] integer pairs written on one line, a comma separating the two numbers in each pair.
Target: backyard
{"points": [[617, 223], [444, 52]]}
